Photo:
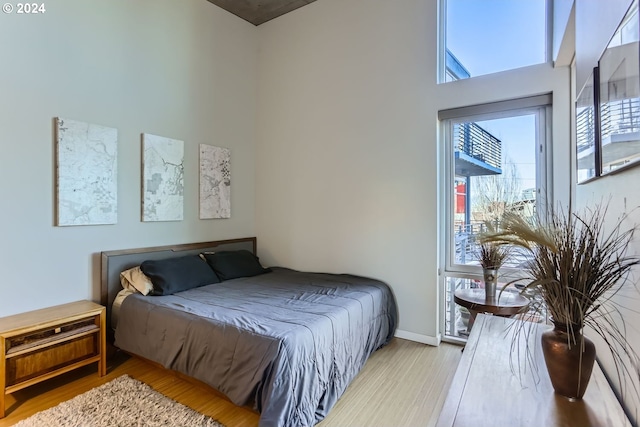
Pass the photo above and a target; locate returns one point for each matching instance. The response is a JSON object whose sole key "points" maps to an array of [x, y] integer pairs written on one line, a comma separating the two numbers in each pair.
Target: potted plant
{"points": [[574, 270], [491, 256]]}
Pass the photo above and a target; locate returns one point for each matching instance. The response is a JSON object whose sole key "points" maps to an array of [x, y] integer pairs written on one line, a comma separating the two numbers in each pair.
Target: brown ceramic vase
{"points": [[569, 359]]}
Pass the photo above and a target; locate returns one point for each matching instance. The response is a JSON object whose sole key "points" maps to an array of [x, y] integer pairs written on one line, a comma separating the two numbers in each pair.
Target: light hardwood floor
{"points": [[402, 384]]}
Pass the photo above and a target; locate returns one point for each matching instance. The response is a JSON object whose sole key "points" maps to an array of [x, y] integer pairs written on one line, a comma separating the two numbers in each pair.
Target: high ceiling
{"points": [[259, 11]]}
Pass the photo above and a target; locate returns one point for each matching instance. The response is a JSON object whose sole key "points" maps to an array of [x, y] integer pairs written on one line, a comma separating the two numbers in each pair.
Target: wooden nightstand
{"points": [[42, 344]]}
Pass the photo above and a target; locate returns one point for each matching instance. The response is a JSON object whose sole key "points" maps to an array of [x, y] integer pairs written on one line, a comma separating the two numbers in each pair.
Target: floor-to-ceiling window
{"points": [[494, 160], [495, 156]]}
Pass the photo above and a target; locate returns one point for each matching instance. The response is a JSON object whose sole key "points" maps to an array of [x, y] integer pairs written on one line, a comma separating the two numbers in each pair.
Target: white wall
{"points": [[619, 194], [185, 70], [596, 21], [595, 24], [346, 176], [564, 33]]}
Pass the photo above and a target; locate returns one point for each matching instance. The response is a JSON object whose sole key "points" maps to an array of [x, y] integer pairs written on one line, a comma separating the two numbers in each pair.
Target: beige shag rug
{"points": [[120, 402]]}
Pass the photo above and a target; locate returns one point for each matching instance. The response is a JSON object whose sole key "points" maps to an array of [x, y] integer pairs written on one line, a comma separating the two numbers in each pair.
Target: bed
{"points": [[286, 342]]}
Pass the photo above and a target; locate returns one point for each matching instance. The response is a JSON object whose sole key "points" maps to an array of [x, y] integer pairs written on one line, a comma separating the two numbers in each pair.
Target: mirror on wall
{"points": [[619, 97], [587, 151]]}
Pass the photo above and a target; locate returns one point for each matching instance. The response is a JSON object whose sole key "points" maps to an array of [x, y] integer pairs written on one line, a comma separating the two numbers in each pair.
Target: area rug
{"points": [[121, 402]]}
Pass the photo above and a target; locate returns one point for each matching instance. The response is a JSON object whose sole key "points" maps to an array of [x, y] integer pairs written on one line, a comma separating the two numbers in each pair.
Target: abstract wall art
{"points": [[215, 182], [162, 178], [86, 173]]}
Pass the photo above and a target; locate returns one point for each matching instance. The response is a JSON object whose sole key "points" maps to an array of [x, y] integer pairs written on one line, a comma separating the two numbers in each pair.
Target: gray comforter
{"points": [[287, 342]]}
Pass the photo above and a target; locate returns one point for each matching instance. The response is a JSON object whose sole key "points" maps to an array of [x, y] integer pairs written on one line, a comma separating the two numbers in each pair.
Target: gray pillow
{"points": [[178, 274], [234, 264]]}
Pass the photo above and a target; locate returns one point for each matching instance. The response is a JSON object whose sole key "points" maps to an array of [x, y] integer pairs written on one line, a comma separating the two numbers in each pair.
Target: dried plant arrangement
{"points": [[492, 255], [575, 270]]}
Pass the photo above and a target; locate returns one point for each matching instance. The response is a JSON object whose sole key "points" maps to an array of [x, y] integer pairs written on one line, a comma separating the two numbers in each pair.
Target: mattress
{"points": [[286, 342]]}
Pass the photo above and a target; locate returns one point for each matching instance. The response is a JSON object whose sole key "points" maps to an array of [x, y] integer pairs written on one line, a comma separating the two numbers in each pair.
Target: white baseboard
{"points": [[424, 339]]}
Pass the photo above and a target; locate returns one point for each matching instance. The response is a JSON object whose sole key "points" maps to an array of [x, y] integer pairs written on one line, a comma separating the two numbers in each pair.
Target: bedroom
{"points": [[333, 161]]}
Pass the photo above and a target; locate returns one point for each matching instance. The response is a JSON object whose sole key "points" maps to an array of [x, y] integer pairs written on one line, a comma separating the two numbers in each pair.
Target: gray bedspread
{"points": [[287, 342]]}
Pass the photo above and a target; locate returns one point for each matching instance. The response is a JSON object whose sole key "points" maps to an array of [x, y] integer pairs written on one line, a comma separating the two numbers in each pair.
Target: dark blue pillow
{"points": [[178, 274], [234, 264]]}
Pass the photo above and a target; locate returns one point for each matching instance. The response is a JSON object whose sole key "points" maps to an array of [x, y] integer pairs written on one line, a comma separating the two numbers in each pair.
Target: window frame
{"points": [[541, 107], [441, 28]]}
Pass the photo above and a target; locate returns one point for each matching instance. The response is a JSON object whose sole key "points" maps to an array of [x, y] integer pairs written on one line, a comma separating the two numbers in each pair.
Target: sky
{"points": [[496, 35], [488, 36], [518, 144]]}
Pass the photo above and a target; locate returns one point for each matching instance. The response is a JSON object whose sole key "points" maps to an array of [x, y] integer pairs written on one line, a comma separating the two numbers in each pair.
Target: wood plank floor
{"points": [[402, 384]]}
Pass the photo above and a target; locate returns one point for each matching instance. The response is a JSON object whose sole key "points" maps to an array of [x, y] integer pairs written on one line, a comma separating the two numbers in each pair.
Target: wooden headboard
{"points": [[114, 262]]}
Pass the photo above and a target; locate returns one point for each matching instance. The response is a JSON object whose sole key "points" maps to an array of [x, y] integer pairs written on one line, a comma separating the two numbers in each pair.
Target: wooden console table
{"points": [[494, 385]]}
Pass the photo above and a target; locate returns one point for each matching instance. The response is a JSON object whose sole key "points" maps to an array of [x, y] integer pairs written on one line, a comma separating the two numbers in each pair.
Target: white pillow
{"points": [[135, 280]]}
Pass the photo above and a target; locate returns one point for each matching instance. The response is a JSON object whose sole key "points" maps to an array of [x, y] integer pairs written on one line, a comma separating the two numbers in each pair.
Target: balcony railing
{"points": [[476, 142], [619, 117], [585, 129]]}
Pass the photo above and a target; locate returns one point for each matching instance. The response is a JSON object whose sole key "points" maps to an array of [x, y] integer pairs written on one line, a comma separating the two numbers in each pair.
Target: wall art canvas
{"points": [[86, 173], [162, 178], [215, 182]]}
